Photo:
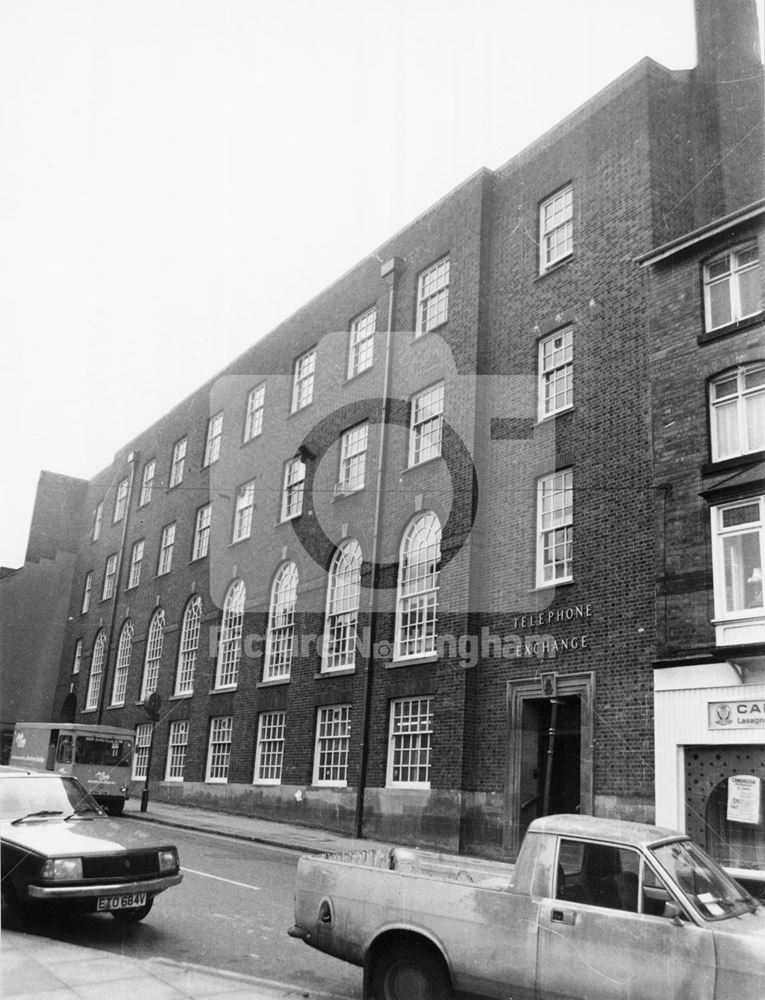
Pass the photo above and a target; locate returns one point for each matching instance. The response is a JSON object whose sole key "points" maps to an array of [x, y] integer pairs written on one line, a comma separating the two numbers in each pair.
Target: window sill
{"points": [[339, 672], [555, 267], [216, 781], [725, 331], [288, 520], [421, 465], [181, 697], [263, 783], [422, 334], [547, 417], [223, 689], [410, 661], [276, 682], [425, 787], [552, 585], [238, 541], [347, 494], [352, 378], [196, 559]]}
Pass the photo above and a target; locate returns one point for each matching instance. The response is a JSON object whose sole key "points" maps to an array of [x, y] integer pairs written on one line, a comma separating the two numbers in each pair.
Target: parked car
{"points": [[593, 909], [60, 847]]}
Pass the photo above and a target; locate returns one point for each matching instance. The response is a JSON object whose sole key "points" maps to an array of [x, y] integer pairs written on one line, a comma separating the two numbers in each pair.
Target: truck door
{"points": [[604, 938]]}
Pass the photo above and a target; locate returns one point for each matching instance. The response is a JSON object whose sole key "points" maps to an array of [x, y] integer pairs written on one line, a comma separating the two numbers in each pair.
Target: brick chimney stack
{"points": [[727, 37]]}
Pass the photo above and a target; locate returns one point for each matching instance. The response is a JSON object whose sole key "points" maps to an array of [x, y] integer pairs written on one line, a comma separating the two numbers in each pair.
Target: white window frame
{"points": [[342, 613], [122, 663], [417, 591], [303, 380], [202, 528], [77, 658], [143, 735], [556, 372], [166, 546], [188, 646], [178, 462], [748, 403], [556, 228], [177, 744], [136, 562], [280, 634], [732, 277], [433, 296], [410, 735], [213, 439], [427, 425], [253, 418], [95, 678], [361, 344], [155, 641], [120, 500], [230, 639], [219, 750], [147, 482], [87, 593], [244, 511], [353, 459], [293, 489], [555, 528], [110, 575], [332, 745], [98, 520], [726, 556], [269, 752]]}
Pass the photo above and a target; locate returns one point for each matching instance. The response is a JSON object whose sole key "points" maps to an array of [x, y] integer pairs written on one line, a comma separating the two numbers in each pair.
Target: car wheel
{"points": [[133, 915], [410, 972]]}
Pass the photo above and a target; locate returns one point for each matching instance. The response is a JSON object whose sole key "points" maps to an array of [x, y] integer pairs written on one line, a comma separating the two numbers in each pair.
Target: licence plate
{"points": [[127, 902]]}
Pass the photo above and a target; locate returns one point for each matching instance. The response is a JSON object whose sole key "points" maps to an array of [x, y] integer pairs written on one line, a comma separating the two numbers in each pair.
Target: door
{"points": [[602, 938], [550, 758]]}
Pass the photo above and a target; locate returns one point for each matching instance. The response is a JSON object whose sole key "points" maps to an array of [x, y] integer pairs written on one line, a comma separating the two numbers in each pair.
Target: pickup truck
{"points": [[592, 909]]}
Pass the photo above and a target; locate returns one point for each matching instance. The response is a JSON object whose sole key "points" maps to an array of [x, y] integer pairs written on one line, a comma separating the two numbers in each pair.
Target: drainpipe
{"points": [[388, 272], [551, 733], [132, 459]]}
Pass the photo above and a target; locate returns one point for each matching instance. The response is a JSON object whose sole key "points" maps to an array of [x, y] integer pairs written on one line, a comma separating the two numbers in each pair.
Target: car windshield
{"points": [[24, 796], [713, 893]]}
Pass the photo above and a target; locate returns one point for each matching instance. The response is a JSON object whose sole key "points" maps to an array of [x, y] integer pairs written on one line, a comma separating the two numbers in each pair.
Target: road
{"points": [[231, 912]]}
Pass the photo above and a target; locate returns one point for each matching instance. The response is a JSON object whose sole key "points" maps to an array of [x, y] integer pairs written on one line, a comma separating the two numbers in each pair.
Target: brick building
{"points": [[374, 564]]}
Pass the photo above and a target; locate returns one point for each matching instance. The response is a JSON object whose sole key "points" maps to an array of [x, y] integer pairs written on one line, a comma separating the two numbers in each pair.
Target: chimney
{"points": [[727, 37]]}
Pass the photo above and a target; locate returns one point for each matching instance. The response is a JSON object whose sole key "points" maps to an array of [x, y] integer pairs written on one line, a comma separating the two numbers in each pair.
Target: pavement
{"points": [[36, 967]]}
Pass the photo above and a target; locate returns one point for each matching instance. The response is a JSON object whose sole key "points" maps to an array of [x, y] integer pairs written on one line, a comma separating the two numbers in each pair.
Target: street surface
{"points": [[231, 913]]}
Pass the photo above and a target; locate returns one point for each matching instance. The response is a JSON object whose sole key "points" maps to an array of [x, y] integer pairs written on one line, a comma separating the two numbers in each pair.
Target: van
{"points": [[100, 756]]}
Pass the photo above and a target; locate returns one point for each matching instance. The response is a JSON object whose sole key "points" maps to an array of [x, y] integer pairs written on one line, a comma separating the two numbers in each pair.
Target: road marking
{"points": [[219, 878]]}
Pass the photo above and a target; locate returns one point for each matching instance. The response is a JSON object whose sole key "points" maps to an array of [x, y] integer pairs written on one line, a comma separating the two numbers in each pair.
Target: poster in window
{"points": [[744, 799]]}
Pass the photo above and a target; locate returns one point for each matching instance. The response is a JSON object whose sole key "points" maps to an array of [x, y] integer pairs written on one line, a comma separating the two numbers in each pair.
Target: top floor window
{"points": [[732, 286], [147, 482], [178, 462], [98, 520], [737, 412], [302, 386], [120, 501], [433, 296], [556, 228], [361, 354], [214, 435], [253, 420]]}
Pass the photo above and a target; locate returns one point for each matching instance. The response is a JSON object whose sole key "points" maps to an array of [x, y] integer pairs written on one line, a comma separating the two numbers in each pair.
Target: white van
{"points": [[100, 756]]}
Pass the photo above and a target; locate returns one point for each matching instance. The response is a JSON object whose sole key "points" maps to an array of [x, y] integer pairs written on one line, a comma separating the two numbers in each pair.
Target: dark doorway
{"points": [[562, 768], [68, 709]]}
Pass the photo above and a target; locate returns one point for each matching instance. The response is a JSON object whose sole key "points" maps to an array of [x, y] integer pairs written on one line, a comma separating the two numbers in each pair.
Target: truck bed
{"points": [[430, 864]]}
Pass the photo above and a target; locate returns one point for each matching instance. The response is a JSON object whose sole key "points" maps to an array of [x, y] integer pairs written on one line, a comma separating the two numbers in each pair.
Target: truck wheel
{"points": [[410, 972], [133, 915]]}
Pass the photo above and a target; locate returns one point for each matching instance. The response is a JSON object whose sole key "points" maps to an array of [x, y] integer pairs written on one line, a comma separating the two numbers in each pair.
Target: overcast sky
{"points": [[177, 176]]}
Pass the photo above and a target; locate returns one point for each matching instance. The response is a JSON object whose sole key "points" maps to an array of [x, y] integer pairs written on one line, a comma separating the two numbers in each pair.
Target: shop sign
{"points": [[736, 714], [743, 799]]}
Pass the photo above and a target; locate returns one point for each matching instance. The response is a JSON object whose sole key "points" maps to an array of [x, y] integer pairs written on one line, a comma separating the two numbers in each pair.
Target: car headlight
{"points": [[168, 861], [62, 869]]}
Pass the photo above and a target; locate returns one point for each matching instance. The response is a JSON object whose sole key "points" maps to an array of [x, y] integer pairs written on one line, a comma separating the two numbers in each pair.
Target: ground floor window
{"points": [[333, 736], [176, 750], [411, 729], [141, 751], [270, 748], [219, 750]]}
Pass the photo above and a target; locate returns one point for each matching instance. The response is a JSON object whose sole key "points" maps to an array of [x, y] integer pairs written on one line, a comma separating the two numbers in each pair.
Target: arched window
{"points": [[96, 671], [343, 591], [230, 644], [737, 411], [154, 645], [281, 623], [124, 652], [189, 644], [417, 602]]}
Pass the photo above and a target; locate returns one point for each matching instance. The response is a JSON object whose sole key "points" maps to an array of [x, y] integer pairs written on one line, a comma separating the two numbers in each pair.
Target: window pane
{"points": [[719, 304], [749, 292], [743, 571]]}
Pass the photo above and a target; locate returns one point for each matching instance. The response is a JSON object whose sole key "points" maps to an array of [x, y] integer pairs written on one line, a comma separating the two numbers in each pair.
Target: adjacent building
{"points": [[461, 540]]}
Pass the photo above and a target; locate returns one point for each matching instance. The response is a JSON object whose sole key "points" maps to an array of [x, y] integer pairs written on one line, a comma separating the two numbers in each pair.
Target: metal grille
{"points": [[121, 866]]}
